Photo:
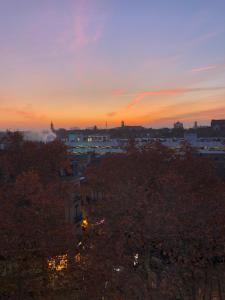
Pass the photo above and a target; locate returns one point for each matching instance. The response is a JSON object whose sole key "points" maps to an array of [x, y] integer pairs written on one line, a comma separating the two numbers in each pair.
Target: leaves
{"points": [[161, 205], [32, 213]]}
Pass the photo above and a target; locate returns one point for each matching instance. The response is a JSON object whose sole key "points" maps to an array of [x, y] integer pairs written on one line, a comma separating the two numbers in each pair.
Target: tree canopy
{"points": [[164, 224], [153, 225]]}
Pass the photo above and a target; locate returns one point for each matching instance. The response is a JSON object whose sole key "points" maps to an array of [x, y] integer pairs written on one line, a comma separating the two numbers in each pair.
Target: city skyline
{"points": [[82, 63]]}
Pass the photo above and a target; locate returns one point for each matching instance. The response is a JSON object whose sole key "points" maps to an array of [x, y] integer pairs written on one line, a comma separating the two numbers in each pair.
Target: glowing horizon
{"points": [[88, 62]]}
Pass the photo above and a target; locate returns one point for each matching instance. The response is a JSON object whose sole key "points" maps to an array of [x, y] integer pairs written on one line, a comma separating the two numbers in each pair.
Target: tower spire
{"points": [[52, 127]]}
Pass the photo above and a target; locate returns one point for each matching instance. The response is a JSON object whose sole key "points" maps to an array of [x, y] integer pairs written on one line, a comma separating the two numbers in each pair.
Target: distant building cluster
{"points": [[88, 146], [208, 141], [218, 124], [178, 125]]}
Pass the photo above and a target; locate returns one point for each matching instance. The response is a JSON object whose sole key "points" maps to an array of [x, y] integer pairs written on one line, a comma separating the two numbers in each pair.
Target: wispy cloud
{"points": [[204, 69], [18, 112], [88, 27], [203, 38], [112, 114], [140, 96], [207, 36], [26, 114], [203, 115], [172, 91], [118, 92]]}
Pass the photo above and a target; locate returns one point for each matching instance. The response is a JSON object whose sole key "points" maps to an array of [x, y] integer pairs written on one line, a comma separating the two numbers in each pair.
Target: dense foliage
{"points": [[32, 215], [154, 225], [164, 226]]}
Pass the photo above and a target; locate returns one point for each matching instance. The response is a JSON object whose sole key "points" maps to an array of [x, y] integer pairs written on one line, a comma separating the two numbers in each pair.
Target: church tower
{"points": [[52, 127]]}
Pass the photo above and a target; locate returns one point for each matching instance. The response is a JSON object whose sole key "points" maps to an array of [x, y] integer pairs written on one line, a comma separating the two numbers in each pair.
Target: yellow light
{"points": [[84, 223], [77, 258], [58, 263]]}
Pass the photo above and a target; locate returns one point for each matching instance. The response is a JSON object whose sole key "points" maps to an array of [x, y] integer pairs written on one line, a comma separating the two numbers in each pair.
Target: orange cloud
{"points": [[141, 95], [112, 114], [14, 117], [201, 115], [22, 113], [174, 91]]}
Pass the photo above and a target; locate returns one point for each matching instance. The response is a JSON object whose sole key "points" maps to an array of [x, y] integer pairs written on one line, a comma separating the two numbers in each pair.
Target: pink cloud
{"points": [[88, 28], [192, 116], [112, 114], [174, 91], [141, 95], [24, 113], [203, 38], [119, 92], [204, 69]]}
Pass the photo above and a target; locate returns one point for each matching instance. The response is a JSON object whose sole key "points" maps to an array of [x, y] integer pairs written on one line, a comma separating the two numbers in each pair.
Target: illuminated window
{"points": [[58, 263], [84, 223]]}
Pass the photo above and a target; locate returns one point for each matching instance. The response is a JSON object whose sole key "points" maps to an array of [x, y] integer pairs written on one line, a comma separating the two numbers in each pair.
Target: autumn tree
{"points": [[154, 229], [47, 159], [158, 233], [36, 241]]}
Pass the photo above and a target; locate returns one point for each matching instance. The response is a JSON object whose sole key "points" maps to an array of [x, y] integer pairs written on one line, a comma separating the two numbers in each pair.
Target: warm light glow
{"points": [[58, 263], [78, 258], [84, 223], [77, 71]]}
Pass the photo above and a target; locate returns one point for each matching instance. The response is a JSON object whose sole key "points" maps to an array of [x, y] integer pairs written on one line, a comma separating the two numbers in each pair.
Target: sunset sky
{"points": [[85, 62]]}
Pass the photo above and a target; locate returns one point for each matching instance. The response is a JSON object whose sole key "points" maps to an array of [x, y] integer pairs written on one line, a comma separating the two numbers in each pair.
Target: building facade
{"points": [[218, 124]]}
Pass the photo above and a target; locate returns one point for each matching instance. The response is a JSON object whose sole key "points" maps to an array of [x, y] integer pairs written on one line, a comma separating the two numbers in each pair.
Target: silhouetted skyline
{"points": [[82, 63]]}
